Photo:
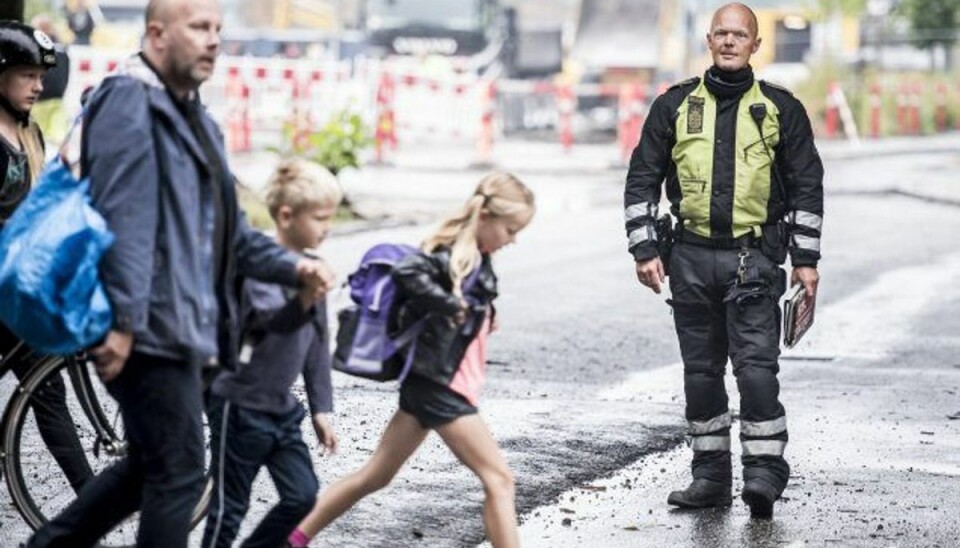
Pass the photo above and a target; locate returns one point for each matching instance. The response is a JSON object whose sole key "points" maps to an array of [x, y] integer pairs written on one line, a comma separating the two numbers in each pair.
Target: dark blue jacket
{"points": [[281, 342], [151, 181]]}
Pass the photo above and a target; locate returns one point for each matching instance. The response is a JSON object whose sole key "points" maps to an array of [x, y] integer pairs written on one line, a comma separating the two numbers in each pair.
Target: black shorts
{"points": [[432, 404]]}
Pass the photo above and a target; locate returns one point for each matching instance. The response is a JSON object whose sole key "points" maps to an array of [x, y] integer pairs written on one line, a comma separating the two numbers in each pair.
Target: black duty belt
{"points": [[747, 240]]}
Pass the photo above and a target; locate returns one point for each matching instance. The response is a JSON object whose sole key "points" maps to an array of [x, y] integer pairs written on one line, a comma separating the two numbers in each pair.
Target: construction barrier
{"points": [[264, 103]]}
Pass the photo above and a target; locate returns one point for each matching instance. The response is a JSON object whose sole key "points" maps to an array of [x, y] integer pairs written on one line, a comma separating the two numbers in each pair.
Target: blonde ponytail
{"points": [[500, 194]]}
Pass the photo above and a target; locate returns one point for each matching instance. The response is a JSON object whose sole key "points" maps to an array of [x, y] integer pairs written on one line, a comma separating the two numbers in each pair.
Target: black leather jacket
{"points": [[426, 290]]}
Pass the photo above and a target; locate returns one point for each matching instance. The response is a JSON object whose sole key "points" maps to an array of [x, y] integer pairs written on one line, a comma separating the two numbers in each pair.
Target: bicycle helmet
{"points": [[24, 45]]}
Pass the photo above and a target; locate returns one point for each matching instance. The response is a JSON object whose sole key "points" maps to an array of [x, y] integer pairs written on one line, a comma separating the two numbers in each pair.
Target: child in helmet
{"points": [[25, 56]]}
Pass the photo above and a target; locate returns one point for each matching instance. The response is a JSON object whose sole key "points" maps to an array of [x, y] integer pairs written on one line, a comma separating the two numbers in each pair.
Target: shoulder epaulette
{"points": [[694, 80], [777, 87]]}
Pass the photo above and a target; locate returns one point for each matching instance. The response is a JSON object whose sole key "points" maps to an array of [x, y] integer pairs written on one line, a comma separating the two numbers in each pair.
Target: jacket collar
{"points": [[167, 105]]}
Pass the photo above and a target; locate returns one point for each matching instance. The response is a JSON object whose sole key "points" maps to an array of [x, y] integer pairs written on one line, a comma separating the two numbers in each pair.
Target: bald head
{"points": [[739, 9], [733, 39], [164, 11]]}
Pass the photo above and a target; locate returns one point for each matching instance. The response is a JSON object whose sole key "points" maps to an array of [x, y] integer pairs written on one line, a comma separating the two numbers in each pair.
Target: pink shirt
{"points": [[468, 382]]}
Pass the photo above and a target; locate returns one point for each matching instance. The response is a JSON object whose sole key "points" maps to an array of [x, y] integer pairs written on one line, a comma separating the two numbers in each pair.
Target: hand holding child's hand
{"points": [[318, 279], [325, 434], [315, 273]]}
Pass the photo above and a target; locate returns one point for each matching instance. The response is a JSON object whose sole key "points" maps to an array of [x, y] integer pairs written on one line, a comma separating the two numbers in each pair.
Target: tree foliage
{"points": [[822, 10], [932, 22], [336, 145]]}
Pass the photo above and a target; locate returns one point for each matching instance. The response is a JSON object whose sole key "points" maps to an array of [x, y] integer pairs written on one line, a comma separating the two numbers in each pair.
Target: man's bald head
{"points": [[163, 11], [744, 10], [158, 10], [733, 39]]}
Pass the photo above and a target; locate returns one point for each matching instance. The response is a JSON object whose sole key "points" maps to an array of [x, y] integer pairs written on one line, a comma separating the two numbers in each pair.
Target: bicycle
{"points": [[40, 479]]}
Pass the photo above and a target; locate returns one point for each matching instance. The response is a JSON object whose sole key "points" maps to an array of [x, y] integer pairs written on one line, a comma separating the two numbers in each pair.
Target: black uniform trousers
{"points": [[161, 404], [717, 318]]}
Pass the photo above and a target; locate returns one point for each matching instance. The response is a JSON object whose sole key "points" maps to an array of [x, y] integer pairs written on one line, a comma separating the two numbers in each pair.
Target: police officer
{"points": [[744, 182]]}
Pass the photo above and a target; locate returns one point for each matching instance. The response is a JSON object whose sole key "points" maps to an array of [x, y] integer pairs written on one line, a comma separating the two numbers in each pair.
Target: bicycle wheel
{"points": [[42, 475]]}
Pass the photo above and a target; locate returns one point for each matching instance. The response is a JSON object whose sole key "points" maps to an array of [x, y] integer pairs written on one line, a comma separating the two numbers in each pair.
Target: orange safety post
{"points": [[940, 111], [876, 104], [565, 105], [831, 117], [238, 119], [902, 108], [385, 134], [485, 137], [915, 110]]}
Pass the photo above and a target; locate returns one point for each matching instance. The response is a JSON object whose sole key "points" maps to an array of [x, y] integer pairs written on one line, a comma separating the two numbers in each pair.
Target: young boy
{"points": [[254, 418]]}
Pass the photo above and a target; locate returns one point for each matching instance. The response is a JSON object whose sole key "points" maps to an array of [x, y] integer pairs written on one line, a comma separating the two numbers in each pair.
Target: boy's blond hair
{"points": [[299, 184], [501, 195]]}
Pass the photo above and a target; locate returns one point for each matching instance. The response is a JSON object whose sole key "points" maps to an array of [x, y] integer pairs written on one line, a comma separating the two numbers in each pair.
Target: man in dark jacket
{"points": [[746, 184], [159, 177]]}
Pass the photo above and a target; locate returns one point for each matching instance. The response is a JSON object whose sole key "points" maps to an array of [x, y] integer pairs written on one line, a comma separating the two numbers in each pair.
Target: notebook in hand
{"points": [[798, 312]]}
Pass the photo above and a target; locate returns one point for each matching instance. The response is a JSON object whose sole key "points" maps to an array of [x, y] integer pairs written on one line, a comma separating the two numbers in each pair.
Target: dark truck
{"points": [[482, 33]]}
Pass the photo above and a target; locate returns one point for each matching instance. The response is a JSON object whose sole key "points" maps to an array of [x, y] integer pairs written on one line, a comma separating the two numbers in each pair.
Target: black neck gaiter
{"points": [[724, 85]]}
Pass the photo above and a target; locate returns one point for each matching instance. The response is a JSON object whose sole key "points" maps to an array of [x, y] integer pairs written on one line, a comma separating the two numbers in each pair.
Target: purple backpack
{"points": [[365, 347]]}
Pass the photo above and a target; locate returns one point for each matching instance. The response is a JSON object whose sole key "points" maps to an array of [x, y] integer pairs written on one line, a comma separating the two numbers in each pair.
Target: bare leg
{"points": [[401, 438], [471, 441]]}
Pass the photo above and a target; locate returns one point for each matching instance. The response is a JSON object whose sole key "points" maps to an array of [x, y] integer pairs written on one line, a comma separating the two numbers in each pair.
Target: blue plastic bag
{"points": [[50, 291]]}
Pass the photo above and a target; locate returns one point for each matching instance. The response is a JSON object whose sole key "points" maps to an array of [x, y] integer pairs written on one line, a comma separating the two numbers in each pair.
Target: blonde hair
{"points": [[32, 144], [298, 184], [501, 195]]}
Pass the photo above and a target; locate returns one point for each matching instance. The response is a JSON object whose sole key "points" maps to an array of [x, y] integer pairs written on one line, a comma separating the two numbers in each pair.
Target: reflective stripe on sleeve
{"points": [[712, 425], [765, 428], [643, 234], [807, 219], [764, 447], [710, 443], [642, 209], [806, 242]]}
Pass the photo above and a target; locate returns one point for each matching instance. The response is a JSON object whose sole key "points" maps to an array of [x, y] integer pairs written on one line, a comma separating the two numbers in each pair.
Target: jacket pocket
{"points": [[760, 152]]}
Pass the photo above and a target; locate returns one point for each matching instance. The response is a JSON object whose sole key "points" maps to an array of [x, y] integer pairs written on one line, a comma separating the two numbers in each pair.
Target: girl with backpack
{"points": [[452, 284]]}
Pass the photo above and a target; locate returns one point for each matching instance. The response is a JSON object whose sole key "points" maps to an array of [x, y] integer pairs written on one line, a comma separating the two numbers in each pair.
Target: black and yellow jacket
{"points": [[731, 163]]}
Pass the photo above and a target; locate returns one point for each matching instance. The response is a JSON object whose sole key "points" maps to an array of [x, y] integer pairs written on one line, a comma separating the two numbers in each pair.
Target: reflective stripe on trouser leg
{"points": [[715, 424], [710, 443]]}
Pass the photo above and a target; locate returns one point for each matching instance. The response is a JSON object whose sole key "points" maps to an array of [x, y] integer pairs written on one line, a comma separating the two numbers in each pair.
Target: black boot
{"points": [[759, 496], [702, 493]]}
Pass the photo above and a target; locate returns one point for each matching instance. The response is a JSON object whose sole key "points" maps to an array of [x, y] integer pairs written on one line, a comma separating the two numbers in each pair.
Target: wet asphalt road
{"points": [[584, 391]]}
